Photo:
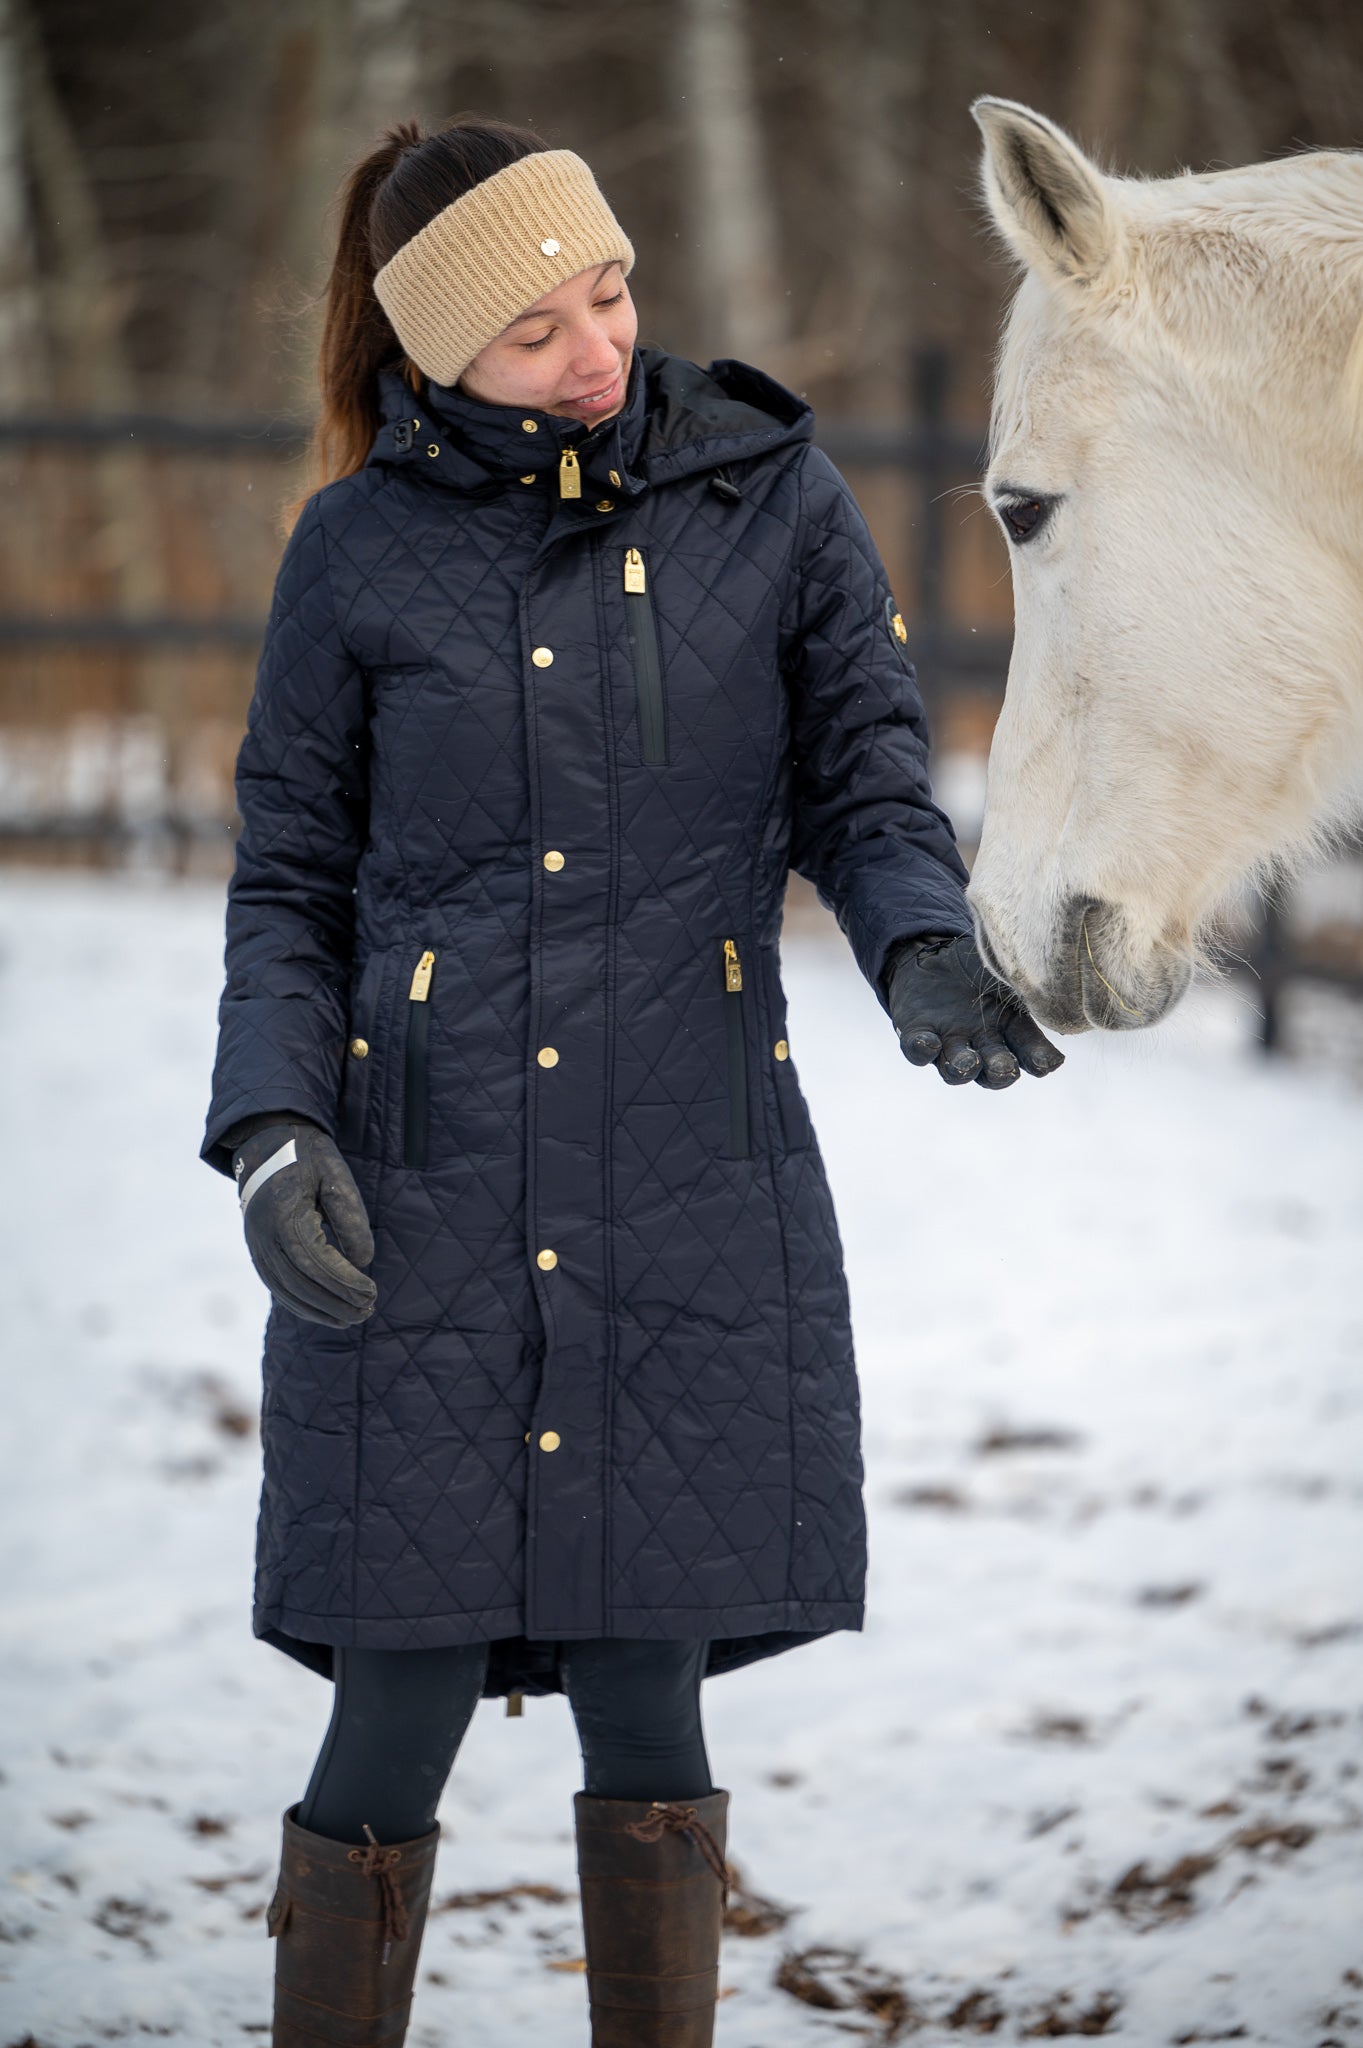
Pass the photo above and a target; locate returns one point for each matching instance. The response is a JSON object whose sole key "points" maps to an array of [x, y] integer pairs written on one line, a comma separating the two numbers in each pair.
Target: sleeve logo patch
{"points": [[898, 631]]}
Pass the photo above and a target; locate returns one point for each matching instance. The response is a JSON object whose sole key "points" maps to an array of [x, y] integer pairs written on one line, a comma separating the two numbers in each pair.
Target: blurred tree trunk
{"points": [[1228, 115], [1106, 51], [338, 73], [879, 59], [83, 363], [23, 356], [80, 357], [1158, 89], [735, 235]]}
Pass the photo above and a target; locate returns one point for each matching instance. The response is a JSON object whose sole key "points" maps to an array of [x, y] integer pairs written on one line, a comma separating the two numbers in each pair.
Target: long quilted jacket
{"points": [[542, 718]]}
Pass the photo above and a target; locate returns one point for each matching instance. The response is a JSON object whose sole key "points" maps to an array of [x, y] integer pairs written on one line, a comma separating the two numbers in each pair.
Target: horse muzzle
{"points": [[1094, 977]]}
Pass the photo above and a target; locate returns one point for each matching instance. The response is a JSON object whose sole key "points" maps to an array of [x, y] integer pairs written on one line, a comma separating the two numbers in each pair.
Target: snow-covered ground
{"points": [[1094, 1765]]}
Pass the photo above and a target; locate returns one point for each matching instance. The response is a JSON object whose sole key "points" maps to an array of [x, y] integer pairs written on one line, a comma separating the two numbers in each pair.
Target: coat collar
{"points": [[485, 448], [677, 419]]}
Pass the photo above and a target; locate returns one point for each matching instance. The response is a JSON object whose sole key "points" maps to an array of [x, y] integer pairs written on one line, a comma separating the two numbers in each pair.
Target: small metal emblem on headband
{"points": [[549, 246]]}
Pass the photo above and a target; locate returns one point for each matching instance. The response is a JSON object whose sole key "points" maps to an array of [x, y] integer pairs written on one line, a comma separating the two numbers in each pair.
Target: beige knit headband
{"points": [[489, 254]]}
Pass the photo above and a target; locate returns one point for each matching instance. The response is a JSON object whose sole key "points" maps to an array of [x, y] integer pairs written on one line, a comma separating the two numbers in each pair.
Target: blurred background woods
{"points": [[799, 178]]}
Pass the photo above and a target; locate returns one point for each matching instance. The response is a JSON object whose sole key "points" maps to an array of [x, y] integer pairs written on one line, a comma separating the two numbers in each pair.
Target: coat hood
{"points": [[678, 418]]}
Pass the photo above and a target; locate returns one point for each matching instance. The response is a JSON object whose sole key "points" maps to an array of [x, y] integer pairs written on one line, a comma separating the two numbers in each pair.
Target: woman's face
{"points": [[569, 353]]}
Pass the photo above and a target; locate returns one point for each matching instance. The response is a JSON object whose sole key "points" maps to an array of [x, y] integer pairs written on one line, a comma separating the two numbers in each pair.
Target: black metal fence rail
{"points": [[196, 436], [123, 629]]}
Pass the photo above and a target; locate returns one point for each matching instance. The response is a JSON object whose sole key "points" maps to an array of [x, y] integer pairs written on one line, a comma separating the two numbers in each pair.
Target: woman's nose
{"points": [[595, 351]]}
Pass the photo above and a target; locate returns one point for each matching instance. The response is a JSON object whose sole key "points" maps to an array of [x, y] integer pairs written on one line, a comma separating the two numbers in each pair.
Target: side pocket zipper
{"points": [[737, 1039], [642, 628], [414, 1087]]}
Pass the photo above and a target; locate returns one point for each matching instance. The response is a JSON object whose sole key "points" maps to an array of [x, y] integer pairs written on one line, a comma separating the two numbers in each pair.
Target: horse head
{"points": [[1176, 461]]}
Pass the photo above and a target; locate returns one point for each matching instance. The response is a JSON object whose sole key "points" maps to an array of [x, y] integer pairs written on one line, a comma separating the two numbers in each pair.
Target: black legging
{"points": [[399, 1717]]}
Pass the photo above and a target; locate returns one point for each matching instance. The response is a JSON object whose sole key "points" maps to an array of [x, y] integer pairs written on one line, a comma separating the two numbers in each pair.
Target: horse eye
{"points": [[1024, 517]]}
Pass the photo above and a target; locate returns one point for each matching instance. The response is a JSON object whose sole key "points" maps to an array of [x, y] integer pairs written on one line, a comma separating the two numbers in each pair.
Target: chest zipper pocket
{"points": [[736, 1041], [415, 1063], [642, 628]]}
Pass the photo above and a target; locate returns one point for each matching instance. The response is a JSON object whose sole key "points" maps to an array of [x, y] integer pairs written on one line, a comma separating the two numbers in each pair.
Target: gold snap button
{"points": [[542, 656], [605, 504], [527, 1436], [781, 1049], [553, 860], [547, 1056], [546, 1260], [530, 426], [615, 478], [360, 1048], [551, 1440], [432, 447], [529, 479]]}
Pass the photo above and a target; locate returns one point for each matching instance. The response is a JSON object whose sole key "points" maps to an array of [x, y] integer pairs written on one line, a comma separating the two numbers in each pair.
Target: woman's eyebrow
{"points": [[547, 312]]}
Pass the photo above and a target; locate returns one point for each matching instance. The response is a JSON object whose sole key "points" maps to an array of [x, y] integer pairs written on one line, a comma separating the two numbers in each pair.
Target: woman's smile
{"points": [[598, 401]]}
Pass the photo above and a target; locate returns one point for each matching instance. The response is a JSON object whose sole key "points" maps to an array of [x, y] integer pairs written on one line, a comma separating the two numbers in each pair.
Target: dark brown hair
{"points": [[388, 197]]}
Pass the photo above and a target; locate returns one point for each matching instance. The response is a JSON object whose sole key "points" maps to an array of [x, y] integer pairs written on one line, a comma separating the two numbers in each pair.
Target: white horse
{"points": [[1177, 461]]}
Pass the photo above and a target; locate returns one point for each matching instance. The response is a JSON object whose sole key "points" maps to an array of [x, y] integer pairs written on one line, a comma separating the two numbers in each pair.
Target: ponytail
{"points": [[388, 197]]}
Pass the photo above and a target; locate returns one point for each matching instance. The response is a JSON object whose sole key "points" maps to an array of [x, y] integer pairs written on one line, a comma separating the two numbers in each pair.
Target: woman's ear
{"points": [[1054, 208]]}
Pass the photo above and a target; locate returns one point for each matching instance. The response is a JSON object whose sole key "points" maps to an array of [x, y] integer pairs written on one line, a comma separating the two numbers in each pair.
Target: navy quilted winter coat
{"points": [[523, 777]]}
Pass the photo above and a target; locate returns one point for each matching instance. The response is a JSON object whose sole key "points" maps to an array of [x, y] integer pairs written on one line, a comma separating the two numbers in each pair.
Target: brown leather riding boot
{"points": [[347, 1925], [654, 1885]]}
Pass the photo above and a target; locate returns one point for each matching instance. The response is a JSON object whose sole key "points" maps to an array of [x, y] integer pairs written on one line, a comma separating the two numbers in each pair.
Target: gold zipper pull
{"points": [[421, 978], [635, 579], [569, 475], [733, 971]]}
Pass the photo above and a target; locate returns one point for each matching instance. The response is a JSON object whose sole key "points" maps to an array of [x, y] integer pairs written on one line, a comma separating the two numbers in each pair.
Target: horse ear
{"points": [[1051, 204]]}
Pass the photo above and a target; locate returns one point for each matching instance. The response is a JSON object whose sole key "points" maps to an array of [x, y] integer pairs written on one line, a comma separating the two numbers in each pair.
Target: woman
{"points": [[577, 649]]}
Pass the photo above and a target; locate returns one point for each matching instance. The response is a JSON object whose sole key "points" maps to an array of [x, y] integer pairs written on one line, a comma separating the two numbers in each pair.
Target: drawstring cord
{"points": [[381, 1864], [681, 1820]]}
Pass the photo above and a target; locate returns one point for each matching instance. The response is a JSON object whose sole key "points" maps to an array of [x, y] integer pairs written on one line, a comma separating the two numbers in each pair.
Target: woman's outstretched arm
{"points": [[866, 832]]}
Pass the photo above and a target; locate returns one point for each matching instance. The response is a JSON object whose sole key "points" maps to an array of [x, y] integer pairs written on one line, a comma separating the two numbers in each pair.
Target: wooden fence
{"points": [[132, 604]]}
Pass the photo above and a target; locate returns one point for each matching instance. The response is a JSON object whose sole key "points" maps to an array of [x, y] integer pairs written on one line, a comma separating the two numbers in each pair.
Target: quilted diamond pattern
{"points": [[627, 1248]]}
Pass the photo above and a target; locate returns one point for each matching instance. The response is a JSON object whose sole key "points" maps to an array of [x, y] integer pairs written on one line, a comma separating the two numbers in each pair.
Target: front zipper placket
{"points": [[736, 1040], [568, 1496], [415, 1083], [642, 627]]}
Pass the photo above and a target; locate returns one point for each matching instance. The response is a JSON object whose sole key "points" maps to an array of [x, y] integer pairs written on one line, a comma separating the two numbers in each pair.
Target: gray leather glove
{"points": [[290, 1177], [952, 1013]]}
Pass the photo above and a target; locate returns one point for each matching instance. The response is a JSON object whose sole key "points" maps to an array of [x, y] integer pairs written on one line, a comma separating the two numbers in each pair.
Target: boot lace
{"points": [[666, 1816], [381, 1864]]}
